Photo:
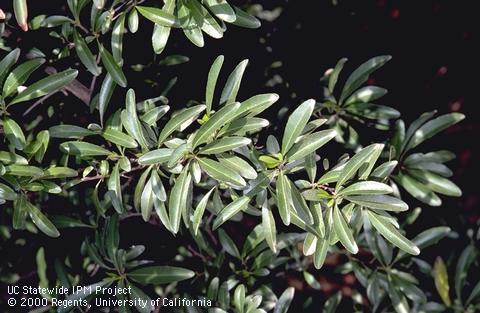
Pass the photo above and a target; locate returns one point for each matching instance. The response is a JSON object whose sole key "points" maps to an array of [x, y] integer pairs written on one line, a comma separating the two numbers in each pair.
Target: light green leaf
{"points": [[222, 10], [119, 138], [130, 120], [23, 170], [320, 252], [179, 119], [436, 183], [379, 202], [7, 62], [269, 228], [296, 123], [284, 301], [220, 172], [117, 37], [392, 234], [158, 16], [333, 77], [59, 172], [418, 190], [310, 143], [46, 85], [357, 161], [115, 189], [133, 21], [284, 197], [106, 91], [228, 244], [7, 193], [20, 211], [69, 131], [440, 276], [343, 231], [220, 118], [239, 165], [230, 90], [225, 144], [178, 199], [243, 19], [158, 275], [212, 81], [199, 210], [10, 158], [366, 188], [239, 204], [366, 95], [161, 155]]}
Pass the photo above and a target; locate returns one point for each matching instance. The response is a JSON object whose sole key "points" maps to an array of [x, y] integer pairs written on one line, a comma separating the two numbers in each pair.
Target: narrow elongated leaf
{"points": [[220, 118], [284, 197], [20, 10], [23, 170], [157, 187], [343, 231], [239, 165], [12, 158], [69, 131], [418, 190], [46, 85], [379, 202], [7, 62], [130, 120], [239, 204], [433, 127], [243, 19], [59, 172], [361, 74], [366, 95], [225, 144], [244, 126], [106, 91], [112, 67], [178, 199], [230, 91], [392, 234], [20, 211], [7, 193], [228, 244], [468, 256], [14, 133], [212, 81], [41, 221], [310, 143], [440, 276], [115, 190], [85, 54], [161, 155], [356, 162], [284, 301], [117, 38], [219, 172], [179, 119], [320, 252], [257, 104], [160, 275], [83, 149], [20, 75], [119, 138], [437, 183], [146, 200], [158, 16], [199, 210], [296, 123], [222, 10], [366, 188], [269, 228], [333, 77], [133, 21], [161, 33]]}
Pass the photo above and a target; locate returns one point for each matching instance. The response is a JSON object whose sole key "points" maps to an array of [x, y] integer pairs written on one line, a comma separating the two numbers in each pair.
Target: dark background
{"points": [[435, 65]]}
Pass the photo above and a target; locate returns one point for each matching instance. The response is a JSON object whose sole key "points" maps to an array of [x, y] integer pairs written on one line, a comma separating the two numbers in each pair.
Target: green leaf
{"points": [[59, 172], [130, 120], [418, 190], [361, 74], [46, 85], [239, 165], [41, 221], [366, 188], [157, 275], [257, 104], [115, 190], [475, 293], [320, 252], [310, 143], [14, 133], [333, 77], [20, 211], [212, 81], [358, 160], [269, 228], [152, 116], [117, 37], [220, 172], [199, 210], [161, 155], [239, 298], [220, 118], [178, 120], [158, 16], [433, 127], [106, 91], [284, 301], [7, 62], [143, 307], [284, 197], [243, 19], [178, 199], [227, 244], [230, 90], [239, 204], [133, 21], [10, 158], [112, 66], [440, 276], [366, 95], [296, 123], [146, 200], [119, 138], [343, 231], [20, 75], [222, 10], [157, 187], [468, 256], [436, 183], [7, 193], [23, 170], [69, 131], [384, 170], [392, 234], [85, 55], [379, 202], [225, 144], [83, 149], [243, 126], [161, 33]]}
